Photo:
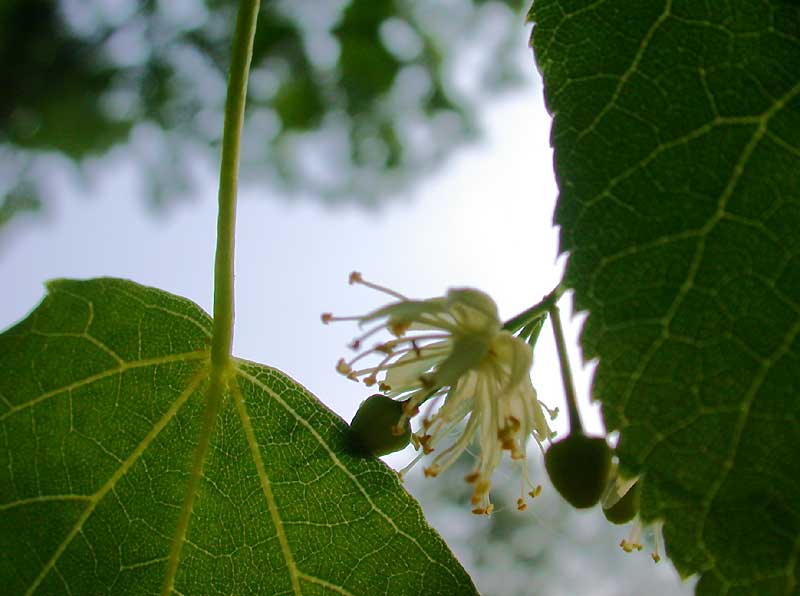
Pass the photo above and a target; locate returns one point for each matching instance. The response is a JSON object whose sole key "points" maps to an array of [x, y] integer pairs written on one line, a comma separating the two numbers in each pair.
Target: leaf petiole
{"points": [[222, 333], [229, 171]]}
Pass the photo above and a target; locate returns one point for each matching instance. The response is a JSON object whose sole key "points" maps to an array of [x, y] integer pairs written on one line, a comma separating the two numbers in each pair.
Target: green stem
{"points": [[222, 338], [573, 416], [538, 310], [229, 170]]}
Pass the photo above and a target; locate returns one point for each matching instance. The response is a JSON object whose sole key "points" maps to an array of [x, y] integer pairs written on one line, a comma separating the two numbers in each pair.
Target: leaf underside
{"points": [[103, 394], [677, 150]]}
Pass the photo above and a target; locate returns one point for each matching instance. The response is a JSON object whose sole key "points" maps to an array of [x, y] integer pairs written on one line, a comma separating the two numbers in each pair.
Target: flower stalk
{"points": [[573, 416]]}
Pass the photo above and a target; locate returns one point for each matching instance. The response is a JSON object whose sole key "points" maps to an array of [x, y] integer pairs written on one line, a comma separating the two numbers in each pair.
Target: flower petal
{"points": [[473, 308], [407, 369], [466, 354], [514, 356]]}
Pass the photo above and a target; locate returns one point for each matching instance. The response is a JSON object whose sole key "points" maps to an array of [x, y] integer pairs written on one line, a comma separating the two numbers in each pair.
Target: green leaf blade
{"points": [[675, 134], [334, 505], [97, 453]]}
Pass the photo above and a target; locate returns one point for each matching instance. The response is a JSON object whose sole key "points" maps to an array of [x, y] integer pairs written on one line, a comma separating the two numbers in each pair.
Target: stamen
{"points": [[655, 555], [472, 477], [356, 343], [507, 435], [413, 462], [427, 381], [328, 318], [447, 457], [438, 322], [521, 504], [410, 408], [431, 471], [481, 490], [398, 328], [552, 412], [356, 278], [384, 364], [632, 543], [392, 343], [425, 441], [373, 371]]}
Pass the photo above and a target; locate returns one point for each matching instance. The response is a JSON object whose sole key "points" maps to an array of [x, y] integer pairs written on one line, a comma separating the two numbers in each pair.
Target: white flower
{"points": [[454, 348], [618, 487]]}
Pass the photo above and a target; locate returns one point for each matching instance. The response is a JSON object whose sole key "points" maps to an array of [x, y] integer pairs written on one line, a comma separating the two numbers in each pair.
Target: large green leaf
{"points": [[677, 151], [103, 395]]}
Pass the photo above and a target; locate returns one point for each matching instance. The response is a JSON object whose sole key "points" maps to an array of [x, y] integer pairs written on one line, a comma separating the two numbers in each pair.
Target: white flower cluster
{"points": [[452, 352]]}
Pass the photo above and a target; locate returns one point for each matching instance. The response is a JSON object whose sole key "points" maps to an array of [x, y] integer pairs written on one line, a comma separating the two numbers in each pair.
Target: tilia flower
{"points": [[452, 351]]}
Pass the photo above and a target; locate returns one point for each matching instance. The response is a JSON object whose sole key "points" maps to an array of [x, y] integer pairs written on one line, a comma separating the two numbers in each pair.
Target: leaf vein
{"points": [[119, 473], [187, 356], [266, 488], [332, 454]]}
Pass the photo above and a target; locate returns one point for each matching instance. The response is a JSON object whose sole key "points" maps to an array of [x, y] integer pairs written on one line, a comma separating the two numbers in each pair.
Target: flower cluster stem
{"points": [[573, 416], [537, 311]]}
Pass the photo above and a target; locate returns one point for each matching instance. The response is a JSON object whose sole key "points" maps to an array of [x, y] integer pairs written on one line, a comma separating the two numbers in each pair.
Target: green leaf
{"points": [[676, 128], [103, 396]]}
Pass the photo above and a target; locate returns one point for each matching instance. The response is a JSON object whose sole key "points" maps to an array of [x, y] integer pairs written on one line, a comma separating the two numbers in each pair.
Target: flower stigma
{"points": [[453, 353]]}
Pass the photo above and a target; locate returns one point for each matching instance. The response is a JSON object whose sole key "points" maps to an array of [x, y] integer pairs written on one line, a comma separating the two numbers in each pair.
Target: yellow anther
{"points": [[472, 477], [398, 328], [431, 472], [425, 441]]}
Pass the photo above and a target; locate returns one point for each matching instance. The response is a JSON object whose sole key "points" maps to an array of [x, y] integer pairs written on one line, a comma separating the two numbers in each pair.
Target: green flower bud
{"points": [[578, 467], [626, 508], [374, 431]]}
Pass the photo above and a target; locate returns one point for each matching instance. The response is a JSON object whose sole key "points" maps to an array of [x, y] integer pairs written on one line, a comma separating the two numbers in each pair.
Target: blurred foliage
{"points": [[348, 100]]}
